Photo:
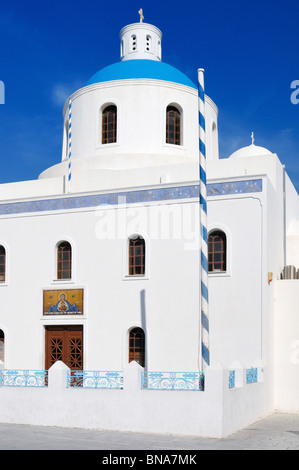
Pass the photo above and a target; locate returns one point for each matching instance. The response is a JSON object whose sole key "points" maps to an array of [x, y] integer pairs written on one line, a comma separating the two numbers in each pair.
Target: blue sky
{"points": [[249, 50]]}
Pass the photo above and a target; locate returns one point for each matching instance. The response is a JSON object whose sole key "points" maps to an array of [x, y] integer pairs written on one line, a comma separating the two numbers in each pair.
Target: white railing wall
{"points": [[216, 411]]}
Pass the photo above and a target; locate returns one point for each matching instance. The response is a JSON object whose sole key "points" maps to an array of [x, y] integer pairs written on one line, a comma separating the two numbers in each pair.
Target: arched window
{"points": [[173, 125], [137, 346], [64, 261], [136, 255], [109, 124], [1, 346], [2, 263], [217, 251]]}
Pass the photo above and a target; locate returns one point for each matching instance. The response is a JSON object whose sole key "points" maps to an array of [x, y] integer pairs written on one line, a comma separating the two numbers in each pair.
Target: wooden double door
{"points": [[64, 343]]}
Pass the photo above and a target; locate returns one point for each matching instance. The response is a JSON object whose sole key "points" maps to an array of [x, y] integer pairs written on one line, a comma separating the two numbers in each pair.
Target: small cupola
{"points": [[251, 150], [140, 41]]}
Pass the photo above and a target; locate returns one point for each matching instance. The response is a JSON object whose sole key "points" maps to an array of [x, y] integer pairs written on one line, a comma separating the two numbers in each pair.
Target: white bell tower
{"points": [[140, 41]]}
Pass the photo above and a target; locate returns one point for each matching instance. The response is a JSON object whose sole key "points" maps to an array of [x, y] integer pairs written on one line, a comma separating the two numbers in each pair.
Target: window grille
{"points": [[1, 346], [109, 123], [173, 126], [64, 261], [217, 251], [2, 263], [136, 256]]}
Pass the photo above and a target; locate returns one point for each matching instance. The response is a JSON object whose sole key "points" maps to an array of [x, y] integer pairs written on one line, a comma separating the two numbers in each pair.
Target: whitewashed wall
{"points": [[113, 301], [287, 345], [236, 309], [216, 412]]}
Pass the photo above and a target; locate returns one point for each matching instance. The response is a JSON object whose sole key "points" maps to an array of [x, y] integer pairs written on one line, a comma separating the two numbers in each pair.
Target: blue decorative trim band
{"points": [[130, 197], [79, 202], [172, 381], [236, 187]]}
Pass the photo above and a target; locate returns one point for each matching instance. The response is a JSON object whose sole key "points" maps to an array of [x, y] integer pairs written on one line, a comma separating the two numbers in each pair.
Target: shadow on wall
{"points": [[143, 325]]}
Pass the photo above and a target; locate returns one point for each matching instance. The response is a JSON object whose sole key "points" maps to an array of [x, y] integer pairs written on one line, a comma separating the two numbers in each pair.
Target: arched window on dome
{"points": [[64, 260], [2, 263], [136, 255], [109, 124], [217, 251], [137, 346], [173, 125]]}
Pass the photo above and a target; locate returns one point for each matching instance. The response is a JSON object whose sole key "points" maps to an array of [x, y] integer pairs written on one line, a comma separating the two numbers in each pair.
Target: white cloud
{"points": [[60, 94], [62, 91]]}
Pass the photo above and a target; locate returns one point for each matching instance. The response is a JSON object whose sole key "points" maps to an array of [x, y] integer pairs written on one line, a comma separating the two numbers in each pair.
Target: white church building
{"points": [[107, 319]]}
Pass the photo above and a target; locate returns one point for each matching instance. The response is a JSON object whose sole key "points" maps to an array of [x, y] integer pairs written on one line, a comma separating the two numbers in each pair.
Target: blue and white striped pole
{"points": [[205, 342], [70, 146]]}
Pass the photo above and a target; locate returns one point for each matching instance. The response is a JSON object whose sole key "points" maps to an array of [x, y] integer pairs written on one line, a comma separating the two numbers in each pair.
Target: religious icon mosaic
{"points": [[63, 302]]}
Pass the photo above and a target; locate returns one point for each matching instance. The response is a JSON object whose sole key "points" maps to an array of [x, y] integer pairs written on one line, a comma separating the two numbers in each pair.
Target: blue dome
{"points": [[139, 68]]}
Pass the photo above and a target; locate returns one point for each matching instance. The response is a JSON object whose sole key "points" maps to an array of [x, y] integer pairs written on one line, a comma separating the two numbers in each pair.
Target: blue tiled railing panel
{"points": [[232, 379], [172, 381], [95, 379], [251, 375], [23, 378]]}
